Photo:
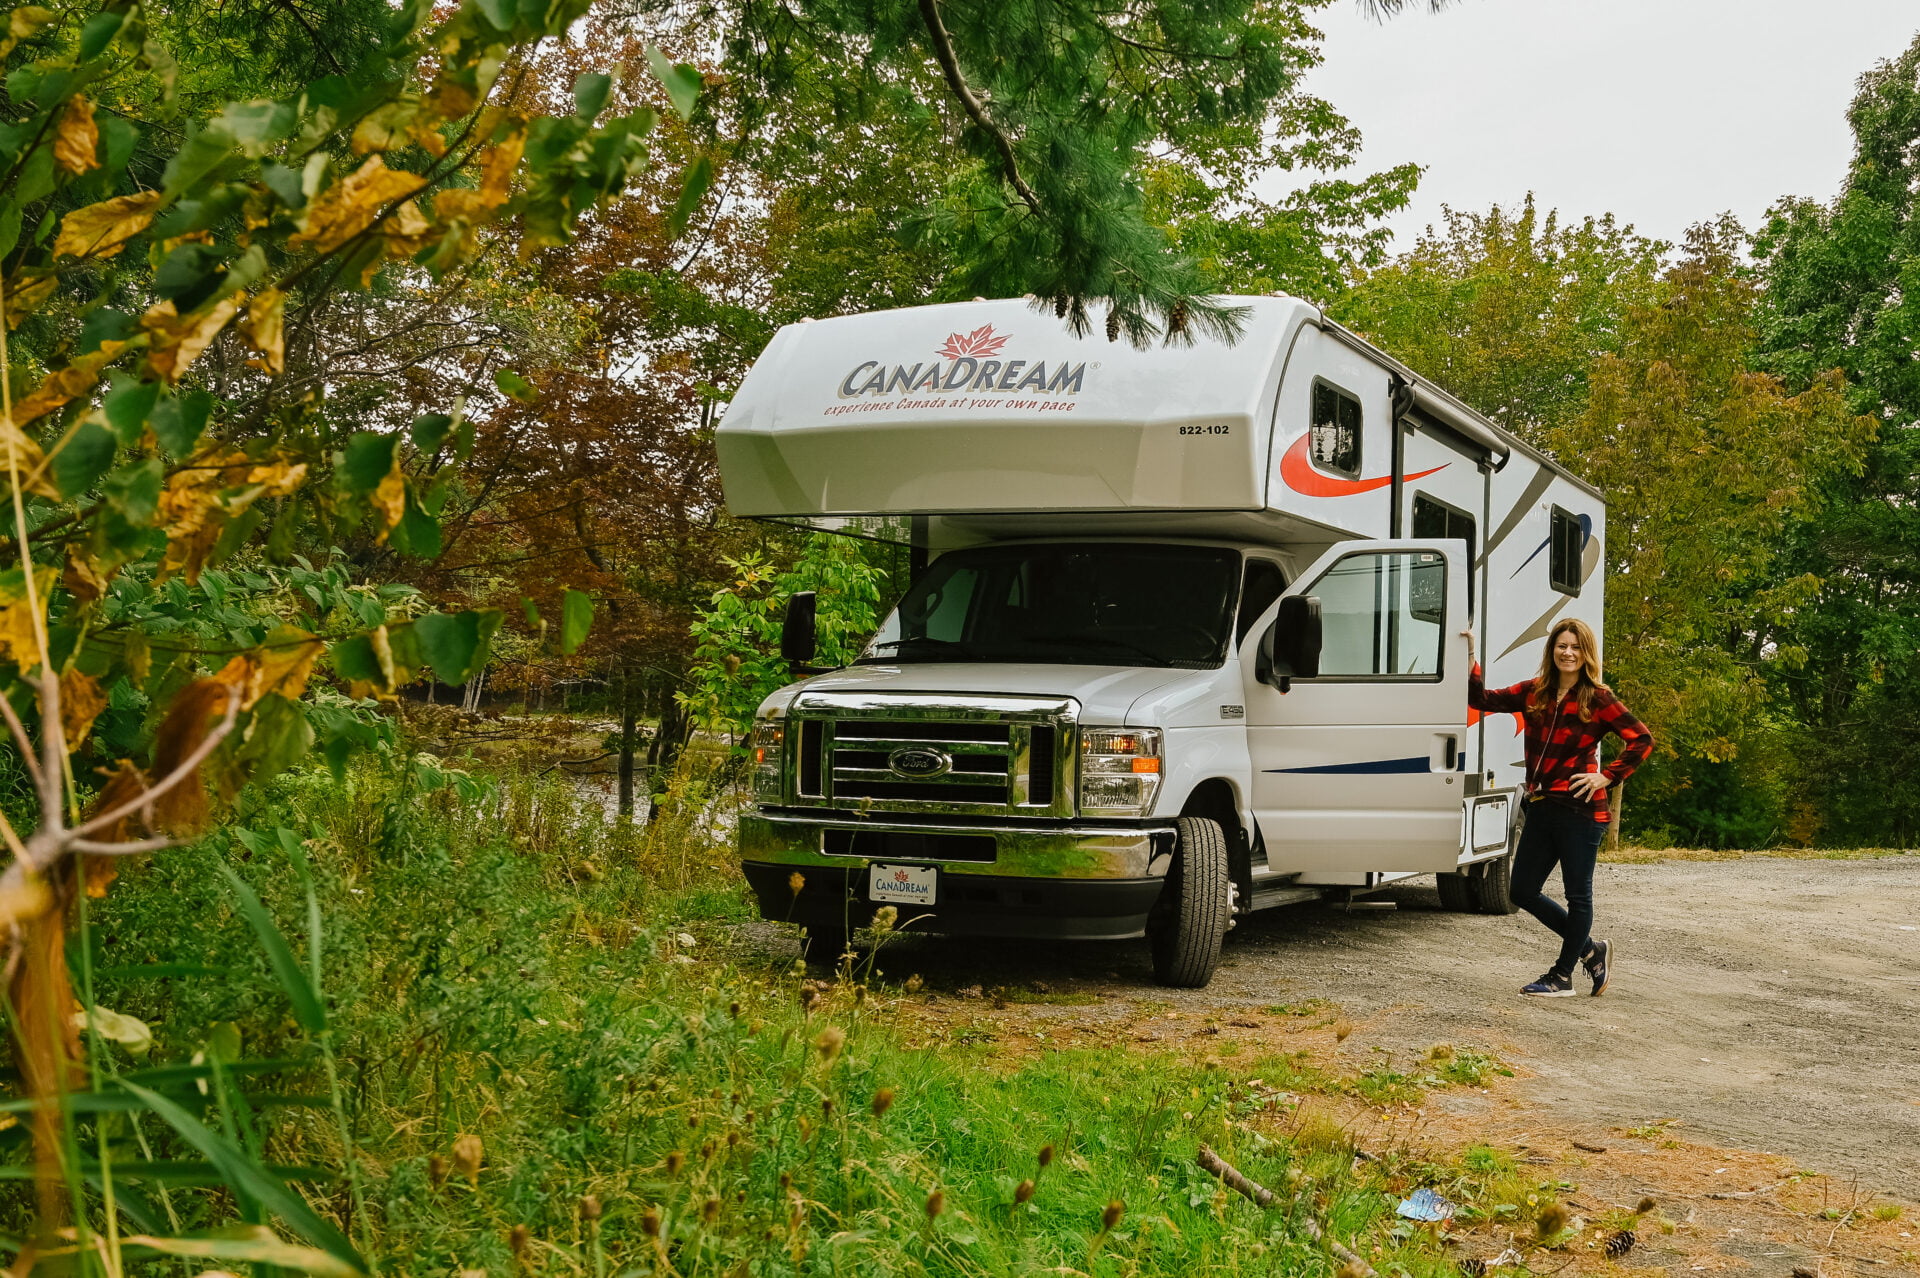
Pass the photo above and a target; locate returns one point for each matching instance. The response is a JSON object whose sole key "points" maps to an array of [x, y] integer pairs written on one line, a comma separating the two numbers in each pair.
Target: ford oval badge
{"points": [[919, 762]]}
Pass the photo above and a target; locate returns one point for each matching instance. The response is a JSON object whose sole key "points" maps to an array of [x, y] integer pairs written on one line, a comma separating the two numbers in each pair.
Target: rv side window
{"points": [[1568, 541], [1336, 429], [1382, 615], [1264, 584], [1434, 519]]}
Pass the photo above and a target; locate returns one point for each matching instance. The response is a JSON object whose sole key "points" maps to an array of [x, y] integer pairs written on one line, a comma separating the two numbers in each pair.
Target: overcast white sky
{"points": [[1663, 112]]}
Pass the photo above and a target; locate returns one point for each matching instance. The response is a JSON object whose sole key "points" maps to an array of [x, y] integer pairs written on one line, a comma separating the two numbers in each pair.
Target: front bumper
{"points": [[1082, 882]]}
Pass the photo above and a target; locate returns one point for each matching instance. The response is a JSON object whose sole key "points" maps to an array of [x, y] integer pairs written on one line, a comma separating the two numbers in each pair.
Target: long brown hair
{"points": [[1586, 686]]}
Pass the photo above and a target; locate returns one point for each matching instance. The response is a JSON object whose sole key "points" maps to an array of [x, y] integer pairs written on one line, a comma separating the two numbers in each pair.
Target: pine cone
{"points": [[1620, 1244], [1177, 319], [1113, 323], [1473, 1267]]}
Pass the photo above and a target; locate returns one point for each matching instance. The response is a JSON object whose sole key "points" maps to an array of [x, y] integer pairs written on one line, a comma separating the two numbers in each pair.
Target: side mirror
{"points": [[1291, 647], [799, 634]]}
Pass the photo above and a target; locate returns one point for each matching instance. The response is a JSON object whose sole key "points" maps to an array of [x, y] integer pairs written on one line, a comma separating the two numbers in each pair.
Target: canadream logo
{"points": [[968, 368]]}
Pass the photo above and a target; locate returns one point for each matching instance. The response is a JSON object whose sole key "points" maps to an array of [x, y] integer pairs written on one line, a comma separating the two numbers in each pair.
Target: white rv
{"points": [[1183, 636]]}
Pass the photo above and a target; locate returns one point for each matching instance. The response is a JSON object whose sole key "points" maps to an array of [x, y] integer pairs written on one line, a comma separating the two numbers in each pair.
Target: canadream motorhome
{"points": [[1182, 639]]}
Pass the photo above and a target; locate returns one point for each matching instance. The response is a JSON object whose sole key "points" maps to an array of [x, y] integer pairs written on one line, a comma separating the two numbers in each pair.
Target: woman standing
{"points": [[1567, 711]]}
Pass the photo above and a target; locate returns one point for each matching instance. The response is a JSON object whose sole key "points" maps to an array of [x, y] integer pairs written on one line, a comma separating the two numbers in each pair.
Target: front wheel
{"points": [[1195, 906]]}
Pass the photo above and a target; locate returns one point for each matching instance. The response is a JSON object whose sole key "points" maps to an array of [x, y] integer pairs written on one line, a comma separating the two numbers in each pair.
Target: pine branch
{"points": [[975, 109]]}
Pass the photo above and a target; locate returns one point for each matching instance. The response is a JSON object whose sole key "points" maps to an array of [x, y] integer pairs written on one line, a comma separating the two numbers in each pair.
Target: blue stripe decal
{"points": [[1370, 767]]}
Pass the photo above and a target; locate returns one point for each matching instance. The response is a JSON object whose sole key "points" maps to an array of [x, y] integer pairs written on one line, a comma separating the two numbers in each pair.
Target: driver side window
{"points": [[1382, 615]]}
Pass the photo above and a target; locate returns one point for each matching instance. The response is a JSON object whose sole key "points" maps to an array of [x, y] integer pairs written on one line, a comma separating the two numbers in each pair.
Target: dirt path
{"points": [[1762, 1004]]}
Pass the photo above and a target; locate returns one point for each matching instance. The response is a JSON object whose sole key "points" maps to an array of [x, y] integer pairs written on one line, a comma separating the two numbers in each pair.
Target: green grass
{"points": [[501, 964]]}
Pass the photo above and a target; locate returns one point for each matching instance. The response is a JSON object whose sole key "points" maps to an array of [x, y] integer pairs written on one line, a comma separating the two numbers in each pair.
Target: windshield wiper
{"points": [[958, 646]]}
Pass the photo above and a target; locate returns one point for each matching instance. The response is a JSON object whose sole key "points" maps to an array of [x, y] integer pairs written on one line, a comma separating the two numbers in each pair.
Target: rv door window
{"points": [[1336, 429], [1103, 604], [1436, 519], [1382, 615]]}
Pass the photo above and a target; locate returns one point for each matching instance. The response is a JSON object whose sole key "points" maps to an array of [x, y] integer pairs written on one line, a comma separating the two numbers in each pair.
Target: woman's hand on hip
{"points": [[1584, 785]]}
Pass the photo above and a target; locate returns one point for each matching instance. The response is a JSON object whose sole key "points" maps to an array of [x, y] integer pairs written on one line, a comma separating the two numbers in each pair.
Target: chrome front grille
{"points": [[970, 755]]}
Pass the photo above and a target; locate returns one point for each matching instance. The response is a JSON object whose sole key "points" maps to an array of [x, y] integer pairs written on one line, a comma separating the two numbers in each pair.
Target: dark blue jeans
{"points": [[1559, 835]]}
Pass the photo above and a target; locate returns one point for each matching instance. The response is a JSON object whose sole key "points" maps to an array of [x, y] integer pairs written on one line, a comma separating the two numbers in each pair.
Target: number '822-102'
{"points": [[1206, 430]]}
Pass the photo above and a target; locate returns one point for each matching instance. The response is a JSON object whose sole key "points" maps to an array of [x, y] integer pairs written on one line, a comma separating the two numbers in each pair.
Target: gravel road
{"points": [[1766, 1004]]}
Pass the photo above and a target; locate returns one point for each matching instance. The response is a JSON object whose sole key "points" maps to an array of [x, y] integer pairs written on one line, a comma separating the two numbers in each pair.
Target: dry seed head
{"points": [[1644, 1206], [885, 918], [936, 1203], [675, 1160], [693, 1120], [518, 1239], [914, 983], [1341, 1029], [467, 1153], [1352, 1269], [1441, 1052], [831, 1040], [826, 1107], [650, 1221], [1111, 1216], [709, 1210], [1046, 1155], [733, 1009], [436, 1170], [589, 1206], [733, 1138], [1022, 1191], [882, 1101], [786, 1181], [706, 1152], [1553, 1218], [796, 881]]}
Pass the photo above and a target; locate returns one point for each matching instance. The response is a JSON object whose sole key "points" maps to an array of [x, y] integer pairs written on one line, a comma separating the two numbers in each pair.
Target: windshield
{"points": [[1097, 604]]}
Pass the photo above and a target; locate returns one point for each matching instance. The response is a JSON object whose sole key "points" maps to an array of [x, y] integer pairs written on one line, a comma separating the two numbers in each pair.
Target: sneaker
{"points": [[1596, 963], [1552, 985]]}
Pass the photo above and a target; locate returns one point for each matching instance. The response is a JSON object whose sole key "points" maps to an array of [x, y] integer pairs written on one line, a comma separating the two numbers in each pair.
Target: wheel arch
{"points": [[1218, 800]]}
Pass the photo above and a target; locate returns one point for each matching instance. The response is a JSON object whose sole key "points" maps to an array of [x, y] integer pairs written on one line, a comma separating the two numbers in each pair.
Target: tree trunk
{"points": [[1613, 813], [628, 711], [664, 751]]}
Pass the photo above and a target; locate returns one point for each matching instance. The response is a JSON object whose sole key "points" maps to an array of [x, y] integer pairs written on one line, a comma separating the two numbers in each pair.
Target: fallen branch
{"points": [[1261, 1196], [1754, 1193]]}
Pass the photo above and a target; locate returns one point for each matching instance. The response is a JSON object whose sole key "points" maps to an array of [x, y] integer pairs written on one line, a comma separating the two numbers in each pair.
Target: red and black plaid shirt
{"points": [[1561, 747]]}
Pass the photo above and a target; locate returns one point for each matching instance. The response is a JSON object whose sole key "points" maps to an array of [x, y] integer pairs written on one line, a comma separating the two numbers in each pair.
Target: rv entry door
{"points": [[1360, 766]]}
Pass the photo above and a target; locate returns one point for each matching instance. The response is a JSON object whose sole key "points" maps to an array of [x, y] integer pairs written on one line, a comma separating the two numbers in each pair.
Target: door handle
{"points": [[1446, 752]]}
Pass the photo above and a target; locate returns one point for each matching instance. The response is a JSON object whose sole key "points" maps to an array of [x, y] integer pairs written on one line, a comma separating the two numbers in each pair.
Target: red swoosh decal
{"points": [[1297, 473], [1475, 716]]}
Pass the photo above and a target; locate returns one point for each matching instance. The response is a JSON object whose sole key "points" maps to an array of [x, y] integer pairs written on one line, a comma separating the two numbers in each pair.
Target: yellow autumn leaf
{"points": [[178, 340], [192, 513], [390, 498], [76, 137], [282, 665], [101, 230], [383, 654], [497, 167], [86, 579], [352, 204], [18, 639], [278, 479], [20, 455], [266, 328], [81, 702], [77, 378], [23, 22], [26, 293]]}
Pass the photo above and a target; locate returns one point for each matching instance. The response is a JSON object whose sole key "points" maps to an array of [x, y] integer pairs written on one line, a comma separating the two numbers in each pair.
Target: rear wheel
{"points": [[1195, 907], [1485, 888]]}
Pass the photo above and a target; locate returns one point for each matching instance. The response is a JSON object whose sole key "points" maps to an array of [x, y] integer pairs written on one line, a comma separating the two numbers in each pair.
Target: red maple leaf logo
{"points": [[980, 341], [899, 876]]}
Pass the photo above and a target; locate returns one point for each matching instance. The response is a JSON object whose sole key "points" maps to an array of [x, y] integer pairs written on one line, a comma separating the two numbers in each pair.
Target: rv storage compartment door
{"points": [[1361, 768]]}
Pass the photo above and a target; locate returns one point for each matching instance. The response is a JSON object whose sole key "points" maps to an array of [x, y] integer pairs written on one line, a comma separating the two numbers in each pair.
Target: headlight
{"points": [[767, 747], [1119, 770]]}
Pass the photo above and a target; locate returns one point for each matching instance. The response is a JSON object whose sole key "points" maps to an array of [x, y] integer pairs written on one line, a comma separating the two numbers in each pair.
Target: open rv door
{"points": [[1360, 764]]}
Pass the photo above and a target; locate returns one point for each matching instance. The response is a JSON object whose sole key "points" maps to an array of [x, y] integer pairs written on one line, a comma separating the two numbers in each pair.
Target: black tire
{"points": [[1485, 888], [1195, 907], [823, 946]]}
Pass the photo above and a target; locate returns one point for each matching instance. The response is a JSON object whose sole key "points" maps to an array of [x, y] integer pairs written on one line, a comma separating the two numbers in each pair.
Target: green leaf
{"points": [[694, 189], [307, 1007], [257, 126], [368, 460], [682, 81], [99, 32], [178, 421], [86, 457], [128, 404], [417, 533], [133, 492], [202, 152], [590, 94], [353, 660], [429, 431], [277, 737], [499, 13], [514, 385], [576, 618], [531, 610], [245, 1176], [455, 644], [254, 1244]]}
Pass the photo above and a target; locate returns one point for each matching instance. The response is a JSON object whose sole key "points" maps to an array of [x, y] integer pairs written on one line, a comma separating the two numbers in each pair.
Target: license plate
{"points": [[902, 884]]}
